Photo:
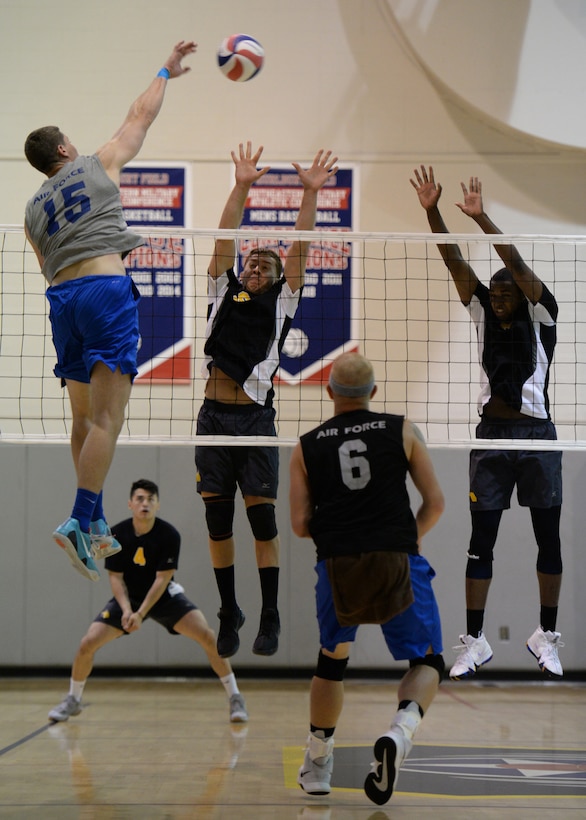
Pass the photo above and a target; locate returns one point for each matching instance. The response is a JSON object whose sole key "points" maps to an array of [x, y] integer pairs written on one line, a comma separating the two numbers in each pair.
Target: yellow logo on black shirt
{"points": [[243, 296]]}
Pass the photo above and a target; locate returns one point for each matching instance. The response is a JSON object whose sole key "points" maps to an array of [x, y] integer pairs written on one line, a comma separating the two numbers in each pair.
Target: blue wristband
{"points": [[164, 72]]}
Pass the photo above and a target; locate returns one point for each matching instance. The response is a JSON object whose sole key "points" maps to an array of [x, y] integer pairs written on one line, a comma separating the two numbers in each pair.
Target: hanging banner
{"points": [[156, 195], [323, 325]]}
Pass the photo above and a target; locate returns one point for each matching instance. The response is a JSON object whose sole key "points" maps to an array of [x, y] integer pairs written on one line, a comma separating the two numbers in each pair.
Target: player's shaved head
{"points": [[352, 375]]}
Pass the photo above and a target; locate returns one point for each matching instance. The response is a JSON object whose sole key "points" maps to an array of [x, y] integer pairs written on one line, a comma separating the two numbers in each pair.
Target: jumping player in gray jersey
{"points": [[76, 227], [515, 319], [348, 493], [248, 319]]}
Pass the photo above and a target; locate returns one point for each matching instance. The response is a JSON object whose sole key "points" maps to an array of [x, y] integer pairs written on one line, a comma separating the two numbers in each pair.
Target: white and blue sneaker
{"points": [[77, 545], [544, 646], [103, 542], [472, 654]]}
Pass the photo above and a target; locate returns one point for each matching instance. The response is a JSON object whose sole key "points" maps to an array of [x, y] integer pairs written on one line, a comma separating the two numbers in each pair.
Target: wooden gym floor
{"points": [[164, 749]]}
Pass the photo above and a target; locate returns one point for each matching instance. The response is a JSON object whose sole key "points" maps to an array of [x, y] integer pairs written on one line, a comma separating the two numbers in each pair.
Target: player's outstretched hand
{"points": [[173, 63], [427, 189], [472, 205], [323, 167], [246, 162]]}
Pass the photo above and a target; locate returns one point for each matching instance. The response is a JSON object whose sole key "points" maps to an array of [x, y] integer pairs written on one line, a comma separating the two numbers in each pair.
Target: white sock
{"points": [[76, 689], [230, 685]]}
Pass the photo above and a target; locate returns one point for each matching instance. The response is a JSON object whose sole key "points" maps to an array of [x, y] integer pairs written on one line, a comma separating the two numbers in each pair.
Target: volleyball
{"points": [[240, 57]]}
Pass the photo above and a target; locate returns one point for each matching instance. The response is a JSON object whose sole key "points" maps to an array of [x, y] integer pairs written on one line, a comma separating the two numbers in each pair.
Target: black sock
{"points": [[474, 622], [405, 703], [225, 582], [269, 585], [326, 732], [548, 618]]}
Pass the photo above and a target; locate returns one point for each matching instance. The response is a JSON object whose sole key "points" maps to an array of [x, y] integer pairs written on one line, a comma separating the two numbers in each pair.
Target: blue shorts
{"points": [[221, 469], [94, 319], [168, 611], [408, 635], [494, 473]]}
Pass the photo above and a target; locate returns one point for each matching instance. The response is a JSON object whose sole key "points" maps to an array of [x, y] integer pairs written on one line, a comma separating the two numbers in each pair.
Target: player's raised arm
{"points": [[473, 206], [461, 272], [128, 139], [313, 179], [246, 173]]}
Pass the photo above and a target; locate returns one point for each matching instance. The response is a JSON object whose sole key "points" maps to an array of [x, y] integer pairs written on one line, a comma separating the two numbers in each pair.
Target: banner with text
{"points": [[156, 195], [324, 322]]}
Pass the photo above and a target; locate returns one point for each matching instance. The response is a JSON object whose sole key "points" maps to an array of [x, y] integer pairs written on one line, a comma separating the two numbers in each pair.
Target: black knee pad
{"points": [[330, 668], [435, 661], [219, 516], [262, 521], [479, 570]]}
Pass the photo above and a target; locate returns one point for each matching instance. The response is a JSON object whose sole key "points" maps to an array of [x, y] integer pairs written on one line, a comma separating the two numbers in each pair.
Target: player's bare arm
{"points": [[424, 478], [523, 275], [313, 179], [128, 139], [300, 502], [246, 173], [461, 272]]}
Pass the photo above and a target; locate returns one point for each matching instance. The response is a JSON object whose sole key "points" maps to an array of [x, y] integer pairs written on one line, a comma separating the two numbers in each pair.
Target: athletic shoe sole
{"points": [[71, 550], [379, 785]]}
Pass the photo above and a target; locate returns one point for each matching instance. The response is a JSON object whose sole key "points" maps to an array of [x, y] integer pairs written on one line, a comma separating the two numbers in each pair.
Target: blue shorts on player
{"points": [[94, 319], [536, 474], [408, 635], [221, 469], [167, 611]]}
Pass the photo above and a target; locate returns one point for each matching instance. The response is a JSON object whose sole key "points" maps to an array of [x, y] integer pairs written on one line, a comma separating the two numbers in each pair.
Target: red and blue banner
{"points": [[323, 326], [154, 195]]}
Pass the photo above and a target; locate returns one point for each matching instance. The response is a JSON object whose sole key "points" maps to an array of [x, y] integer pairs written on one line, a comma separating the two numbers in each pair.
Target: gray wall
{"points": [[45, 606]]}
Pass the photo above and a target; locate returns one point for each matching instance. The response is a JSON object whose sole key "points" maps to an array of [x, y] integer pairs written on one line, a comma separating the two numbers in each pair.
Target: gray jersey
{"points": [[77, 215]]}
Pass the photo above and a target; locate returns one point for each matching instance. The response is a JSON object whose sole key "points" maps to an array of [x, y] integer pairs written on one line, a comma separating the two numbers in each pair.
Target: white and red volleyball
{"points": [[240, 57]]}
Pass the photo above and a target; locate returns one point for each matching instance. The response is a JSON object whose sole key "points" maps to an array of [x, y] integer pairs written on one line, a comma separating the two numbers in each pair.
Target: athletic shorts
{"points": [[494, 473], [94, 319], [408, 635], [221, 469], [167, 611]]}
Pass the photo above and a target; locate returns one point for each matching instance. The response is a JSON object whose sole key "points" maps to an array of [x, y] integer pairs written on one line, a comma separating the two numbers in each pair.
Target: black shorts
{"points": [[494, 473], [167, 611], [221, 469]]}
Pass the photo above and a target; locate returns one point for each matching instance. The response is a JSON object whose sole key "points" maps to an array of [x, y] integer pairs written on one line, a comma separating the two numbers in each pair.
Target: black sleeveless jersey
{"points": [[357, 469], [245, 333], [515, 361], [142, 556]]}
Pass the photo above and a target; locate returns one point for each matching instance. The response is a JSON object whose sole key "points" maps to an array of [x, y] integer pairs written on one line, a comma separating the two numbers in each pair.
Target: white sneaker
{"points": [[238, 713], [390, 750], [69, 707], [316, 772], [474, 652], [544, 646]]}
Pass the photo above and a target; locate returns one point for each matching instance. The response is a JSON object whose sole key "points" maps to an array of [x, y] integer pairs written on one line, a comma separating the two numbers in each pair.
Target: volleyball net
{"points": [[389, 296]]}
